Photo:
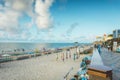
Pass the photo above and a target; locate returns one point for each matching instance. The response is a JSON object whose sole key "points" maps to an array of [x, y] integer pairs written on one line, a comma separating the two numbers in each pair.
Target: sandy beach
{"points": [[46, 67]]}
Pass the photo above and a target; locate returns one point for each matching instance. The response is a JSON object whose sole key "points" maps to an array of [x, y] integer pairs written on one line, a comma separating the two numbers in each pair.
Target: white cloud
{"points": [[72, 27], [43, 19], [13, 10], [9, 20], [21, 6]]}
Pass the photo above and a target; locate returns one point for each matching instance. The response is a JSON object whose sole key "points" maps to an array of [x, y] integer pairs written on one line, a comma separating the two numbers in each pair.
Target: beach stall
{"points": [[6, 57]]}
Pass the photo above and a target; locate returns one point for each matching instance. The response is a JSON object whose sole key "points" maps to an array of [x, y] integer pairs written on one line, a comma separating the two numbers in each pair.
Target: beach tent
{"points": [[96, 58], [6, 56]]}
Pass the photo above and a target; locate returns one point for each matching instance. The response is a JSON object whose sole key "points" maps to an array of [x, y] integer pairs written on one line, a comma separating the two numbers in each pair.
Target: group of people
{"points": [[68, 54], [63, 55]]}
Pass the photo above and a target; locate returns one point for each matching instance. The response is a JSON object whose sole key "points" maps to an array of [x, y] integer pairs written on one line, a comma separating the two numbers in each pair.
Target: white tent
{"points": [[96, 58], [5, 55]]}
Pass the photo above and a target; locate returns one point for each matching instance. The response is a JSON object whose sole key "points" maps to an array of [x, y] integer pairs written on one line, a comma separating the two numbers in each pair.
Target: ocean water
{"points": [[32, 46]]}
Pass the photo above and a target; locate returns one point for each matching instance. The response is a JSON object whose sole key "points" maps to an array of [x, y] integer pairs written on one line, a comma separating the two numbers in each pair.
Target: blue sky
{"points": [[57, 20]]}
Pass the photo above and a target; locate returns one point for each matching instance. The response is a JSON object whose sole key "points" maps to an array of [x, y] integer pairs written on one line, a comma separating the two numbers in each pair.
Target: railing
{"points": [[65, 77]]}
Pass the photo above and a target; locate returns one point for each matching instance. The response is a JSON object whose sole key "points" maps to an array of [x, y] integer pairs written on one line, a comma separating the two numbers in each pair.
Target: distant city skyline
{"points": [[57, 20]]}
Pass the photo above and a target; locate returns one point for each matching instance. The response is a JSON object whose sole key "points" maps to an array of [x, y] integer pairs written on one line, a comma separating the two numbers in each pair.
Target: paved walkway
{"points": [[112, 60]]}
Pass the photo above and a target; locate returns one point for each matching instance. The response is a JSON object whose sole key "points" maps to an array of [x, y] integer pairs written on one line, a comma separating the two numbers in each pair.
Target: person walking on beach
{"points": [[95, 46], [63, 57], [67, 53], [56, 56], [74, 56], [108, 47]]}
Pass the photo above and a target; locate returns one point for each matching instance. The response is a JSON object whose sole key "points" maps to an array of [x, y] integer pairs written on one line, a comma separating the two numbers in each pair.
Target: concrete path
{"points": [[112, 60]]}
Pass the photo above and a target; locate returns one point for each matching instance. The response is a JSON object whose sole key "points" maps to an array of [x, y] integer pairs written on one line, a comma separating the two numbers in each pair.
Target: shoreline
{"points": [[23, 55]]}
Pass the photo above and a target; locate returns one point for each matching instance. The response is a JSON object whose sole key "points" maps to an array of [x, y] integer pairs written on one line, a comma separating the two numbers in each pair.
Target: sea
{"points": [[10, 47]]}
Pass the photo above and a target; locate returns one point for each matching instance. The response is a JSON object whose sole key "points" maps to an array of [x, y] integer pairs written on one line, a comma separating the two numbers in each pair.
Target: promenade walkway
{"points": [[112, 60]]}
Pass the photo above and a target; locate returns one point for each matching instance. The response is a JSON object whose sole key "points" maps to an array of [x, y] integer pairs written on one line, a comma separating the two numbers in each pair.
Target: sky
{"points": [[57, 21]]}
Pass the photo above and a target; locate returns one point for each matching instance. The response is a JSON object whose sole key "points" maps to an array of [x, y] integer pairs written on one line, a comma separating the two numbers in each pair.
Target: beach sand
{"points": [[46, 67], [51, 67]]}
